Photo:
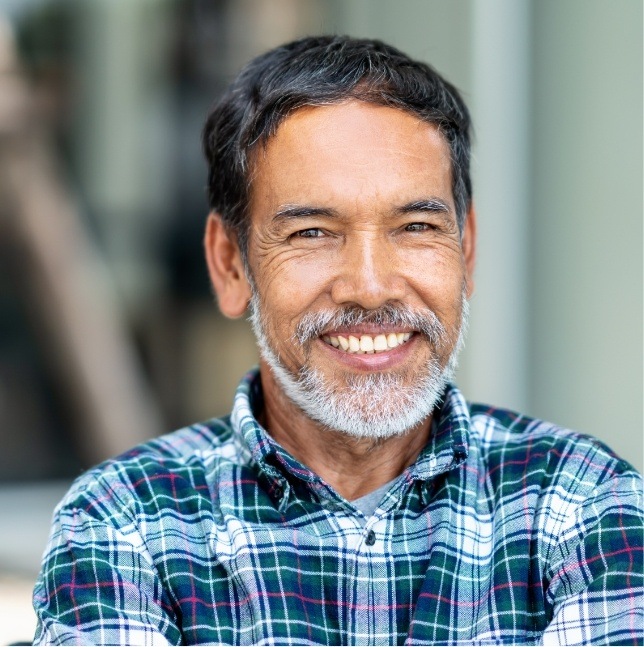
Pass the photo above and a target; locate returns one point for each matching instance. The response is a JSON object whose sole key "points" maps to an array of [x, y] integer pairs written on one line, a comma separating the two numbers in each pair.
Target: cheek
{"points": [[287, 268], [292, 288], [438, 279]]}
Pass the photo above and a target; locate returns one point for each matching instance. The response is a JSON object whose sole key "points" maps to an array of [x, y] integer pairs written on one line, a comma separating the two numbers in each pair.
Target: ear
{"points": [[226, 268], [468, 245]]}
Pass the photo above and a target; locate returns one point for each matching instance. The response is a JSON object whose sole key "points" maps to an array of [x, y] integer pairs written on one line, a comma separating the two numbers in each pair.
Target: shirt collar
{"points": [[253, 442], [447, 447]]}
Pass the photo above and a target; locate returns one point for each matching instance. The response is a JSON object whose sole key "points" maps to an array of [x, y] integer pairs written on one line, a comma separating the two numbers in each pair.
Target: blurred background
{"points": [[109, 334]]}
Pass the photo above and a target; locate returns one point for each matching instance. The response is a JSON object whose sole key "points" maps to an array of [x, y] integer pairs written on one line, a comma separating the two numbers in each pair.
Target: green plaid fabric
{"points": [[506, 530]]}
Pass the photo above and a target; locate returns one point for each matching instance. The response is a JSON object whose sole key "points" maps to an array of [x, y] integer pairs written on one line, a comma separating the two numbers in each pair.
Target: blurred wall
{"points": [[586, 224]]}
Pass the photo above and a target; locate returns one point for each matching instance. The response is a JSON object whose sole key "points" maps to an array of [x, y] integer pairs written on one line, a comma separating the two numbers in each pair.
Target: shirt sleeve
{"points": [[596, 570], [98, 586]]}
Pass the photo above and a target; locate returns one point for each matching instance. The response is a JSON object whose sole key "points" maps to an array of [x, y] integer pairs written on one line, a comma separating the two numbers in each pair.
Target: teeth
{"points": [[367, 343], [379, 343]]}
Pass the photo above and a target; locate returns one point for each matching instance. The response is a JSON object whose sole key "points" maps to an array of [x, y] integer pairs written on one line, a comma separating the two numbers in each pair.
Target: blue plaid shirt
{"points": [[506, 530]]}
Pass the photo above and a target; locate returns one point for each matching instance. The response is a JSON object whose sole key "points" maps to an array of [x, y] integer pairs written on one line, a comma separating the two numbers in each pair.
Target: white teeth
{"points": [[367, 343], [379, 342]]}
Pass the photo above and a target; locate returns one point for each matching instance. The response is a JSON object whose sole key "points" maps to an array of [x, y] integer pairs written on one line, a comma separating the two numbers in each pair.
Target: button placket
{"points": [[369, 590]]}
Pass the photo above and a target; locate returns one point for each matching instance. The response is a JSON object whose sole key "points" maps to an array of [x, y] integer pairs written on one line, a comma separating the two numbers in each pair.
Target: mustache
{"points": [[425, 321]]}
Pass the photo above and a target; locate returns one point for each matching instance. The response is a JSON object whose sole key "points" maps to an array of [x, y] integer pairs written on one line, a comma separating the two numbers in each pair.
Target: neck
{"points": [[352, 466]]}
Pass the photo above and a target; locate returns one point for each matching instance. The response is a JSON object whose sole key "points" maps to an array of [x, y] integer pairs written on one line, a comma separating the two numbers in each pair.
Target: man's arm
{"points": [[98, 586], [596, 570]]}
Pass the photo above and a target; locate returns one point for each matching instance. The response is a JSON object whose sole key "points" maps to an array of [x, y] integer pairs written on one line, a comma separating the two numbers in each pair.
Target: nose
{"points": [[369, 273]]}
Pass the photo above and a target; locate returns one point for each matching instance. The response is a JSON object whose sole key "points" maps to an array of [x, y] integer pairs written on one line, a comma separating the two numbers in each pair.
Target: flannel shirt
{"points": [[506, 530]]}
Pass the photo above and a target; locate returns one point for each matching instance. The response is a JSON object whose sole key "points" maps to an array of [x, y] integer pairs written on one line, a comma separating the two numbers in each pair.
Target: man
{"points": [[353, 496]]}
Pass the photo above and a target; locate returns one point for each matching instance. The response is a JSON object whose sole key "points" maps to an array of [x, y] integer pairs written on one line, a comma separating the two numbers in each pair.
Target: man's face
{"points": [[357, 264]]}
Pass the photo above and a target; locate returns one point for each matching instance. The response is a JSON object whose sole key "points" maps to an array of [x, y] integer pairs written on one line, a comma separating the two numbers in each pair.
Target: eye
{"points": [[418, 226], [312, 232]]}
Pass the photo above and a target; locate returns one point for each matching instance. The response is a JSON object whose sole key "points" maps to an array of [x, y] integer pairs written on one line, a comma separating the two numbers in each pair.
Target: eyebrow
{"points": [[289, 211], [433, 205]]}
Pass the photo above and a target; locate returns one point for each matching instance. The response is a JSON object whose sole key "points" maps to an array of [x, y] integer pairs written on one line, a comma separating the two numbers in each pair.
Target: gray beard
{"points": [[376, 405]]}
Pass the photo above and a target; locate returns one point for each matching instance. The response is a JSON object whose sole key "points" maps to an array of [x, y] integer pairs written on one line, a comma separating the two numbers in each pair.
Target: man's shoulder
{"points": [[197, 441], [182, 463], [519, 449]]}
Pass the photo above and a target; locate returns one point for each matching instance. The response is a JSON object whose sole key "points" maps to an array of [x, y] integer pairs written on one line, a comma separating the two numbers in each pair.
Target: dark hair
{"points": [[322, 70]]}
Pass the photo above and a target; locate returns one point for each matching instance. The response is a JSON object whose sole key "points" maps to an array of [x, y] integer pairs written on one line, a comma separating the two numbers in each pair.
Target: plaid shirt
{"points": [[506, 530]]}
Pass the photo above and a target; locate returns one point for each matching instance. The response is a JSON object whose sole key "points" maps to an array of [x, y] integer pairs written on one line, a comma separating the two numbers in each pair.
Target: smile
{"points": [[367, 344]]}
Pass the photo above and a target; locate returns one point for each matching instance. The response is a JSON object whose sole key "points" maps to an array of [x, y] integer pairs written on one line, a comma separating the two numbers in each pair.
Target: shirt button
{"points": [[460, 453], [370, 539]]}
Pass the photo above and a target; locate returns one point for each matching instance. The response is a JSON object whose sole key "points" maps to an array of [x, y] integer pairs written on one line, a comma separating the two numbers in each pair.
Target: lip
{"points": [[372, 361]]}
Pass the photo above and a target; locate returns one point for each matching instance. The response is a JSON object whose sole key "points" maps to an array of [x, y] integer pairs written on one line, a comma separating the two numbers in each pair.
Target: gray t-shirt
{"points": [[368, 503]]}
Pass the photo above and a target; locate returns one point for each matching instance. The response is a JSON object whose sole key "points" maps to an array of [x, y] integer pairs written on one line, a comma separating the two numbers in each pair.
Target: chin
{"points": [[375, 405]]}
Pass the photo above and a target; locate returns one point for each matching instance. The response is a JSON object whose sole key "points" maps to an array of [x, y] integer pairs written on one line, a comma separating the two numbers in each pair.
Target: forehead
{"points": [[349, 150]]}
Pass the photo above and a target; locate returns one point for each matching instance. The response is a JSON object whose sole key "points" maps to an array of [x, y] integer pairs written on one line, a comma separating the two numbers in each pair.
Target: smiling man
{"points": [[353, 496], [357, 273]]}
